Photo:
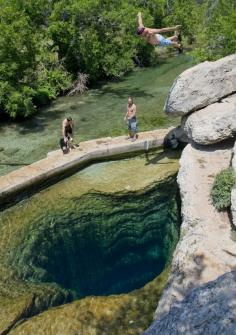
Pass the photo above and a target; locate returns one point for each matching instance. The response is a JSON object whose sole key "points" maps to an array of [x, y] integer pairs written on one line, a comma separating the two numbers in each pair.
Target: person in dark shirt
{"points": [[67, 135]]}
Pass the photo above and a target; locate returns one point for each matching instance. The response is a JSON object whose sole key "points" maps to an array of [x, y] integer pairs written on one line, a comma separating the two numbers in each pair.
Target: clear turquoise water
{"points": [[104, 230], [97, 113], [101, 244]]}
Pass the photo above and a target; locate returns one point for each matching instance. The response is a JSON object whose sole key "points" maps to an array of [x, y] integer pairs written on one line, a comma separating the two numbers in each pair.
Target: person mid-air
{"points": [[153, 36]]}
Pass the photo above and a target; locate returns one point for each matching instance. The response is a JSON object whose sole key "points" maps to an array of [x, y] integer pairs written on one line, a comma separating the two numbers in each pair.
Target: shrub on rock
{"points": [[221, 190]]}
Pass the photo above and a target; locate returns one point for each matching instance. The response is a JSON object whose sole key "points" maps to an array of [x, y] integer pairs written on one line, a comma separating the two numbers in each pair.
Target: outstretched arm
{"points": [[163, 30], [140, 21]]}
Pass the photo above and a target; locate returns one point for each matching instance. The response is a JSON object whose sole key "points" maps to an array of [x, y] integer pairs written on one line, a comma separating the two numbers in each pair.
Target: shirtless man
{"points": [[153, 36], [67, 132], [130, 118]]}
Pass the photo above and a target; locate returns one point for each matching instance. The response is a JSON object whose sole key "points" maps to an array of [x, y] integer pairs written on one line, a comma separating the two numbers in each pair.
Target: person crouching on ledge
{"points": [[67, 134]]}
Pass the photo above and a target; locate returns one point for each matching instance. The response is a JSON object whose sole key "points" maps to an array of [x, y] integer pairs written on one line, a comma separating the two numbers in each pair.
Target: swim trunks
{"points": [[68, 131], [132, 125], [163, 42]]}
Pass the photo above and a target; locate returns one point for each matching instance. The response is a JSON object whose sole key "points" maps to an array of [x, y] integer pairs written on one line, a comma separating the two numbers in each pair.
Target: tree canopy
{"points": [[46, 43]]}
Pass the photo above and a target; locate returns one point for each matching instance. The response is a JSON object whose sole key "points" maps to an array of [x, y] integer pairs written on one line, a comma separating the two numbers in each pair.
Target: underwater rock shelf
{"points": [[98, 243], [56, 163], [95, 246]]}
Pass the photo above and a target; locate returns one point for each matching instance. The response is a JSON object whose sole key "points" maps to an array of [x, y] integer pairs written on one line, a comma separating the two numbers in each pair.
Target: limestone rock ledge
{"points": [[202, 85], [212, 124], [206, 249], [208, 309]]}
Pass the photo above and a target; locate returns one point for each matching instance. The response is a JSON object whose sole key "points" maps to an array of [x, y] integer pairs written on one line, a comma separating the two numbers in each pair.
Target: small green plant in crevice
{"points": [[221, 190]]}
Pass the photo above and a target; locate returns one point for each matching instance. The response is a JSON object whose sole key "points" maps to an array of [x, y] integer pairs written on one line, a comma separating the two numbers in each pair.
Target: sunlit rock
{"points": [[201, 86], [212, 124], [205, 248], [208, 309]]}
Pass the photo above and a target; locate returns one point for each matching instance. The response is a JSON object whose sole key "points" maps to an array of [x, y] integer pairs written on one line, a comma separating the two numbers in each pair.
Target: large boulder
{"points": [[202, 85], [208, 309], [212, 124]]}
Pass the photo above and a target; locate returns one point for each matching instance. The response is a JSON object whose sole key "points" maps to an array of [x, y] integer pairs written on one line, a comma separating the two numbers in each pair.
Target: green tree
{"points": [[28, 63], [209, 24], [17, 61], [45, 43], [219, 33], [97, 37], [188, 13]]}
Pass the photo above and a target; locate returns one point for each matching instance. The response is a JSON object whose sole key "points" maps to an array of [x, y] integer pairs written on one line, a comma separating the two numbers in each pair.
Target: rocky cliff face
{"points": [[205, 249], [212, 124], [201, 86], [205, 96], [209, 309]]}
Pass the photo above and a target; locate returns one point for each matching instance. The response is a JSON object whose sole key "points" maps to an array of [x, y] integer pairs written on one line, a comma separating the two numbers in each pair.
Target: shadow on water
{"points": [[124, 93], [38, 124], [14, 164], [164, 154], [35, 124]]}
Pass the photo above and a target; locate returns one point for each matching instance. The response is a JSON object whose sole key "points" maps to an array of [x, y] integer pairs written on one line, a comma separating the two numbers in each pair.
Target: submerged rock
{"points": [[202, 85], [125, 314], [207, 310], [212, 124], [20, 300]]}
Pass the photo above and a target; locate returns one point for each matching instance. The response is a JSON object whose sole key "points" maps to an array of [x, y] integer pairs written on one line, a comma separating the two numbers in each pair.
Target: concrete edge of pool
{"points": [[55, 164]]}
